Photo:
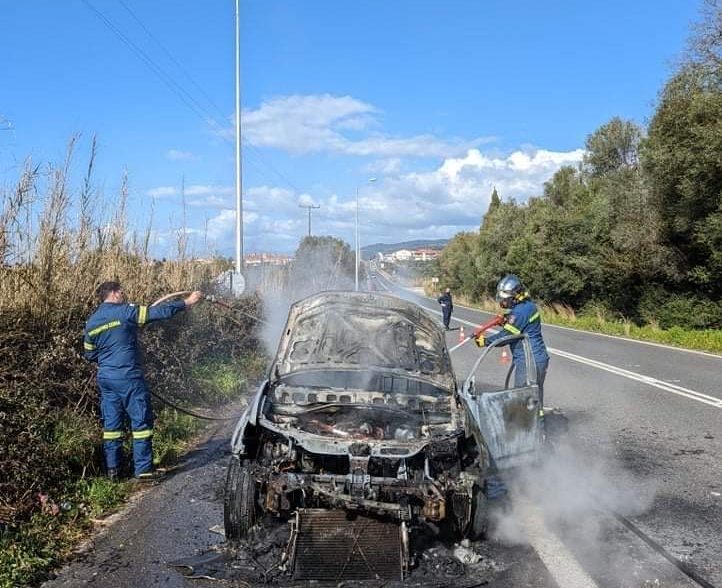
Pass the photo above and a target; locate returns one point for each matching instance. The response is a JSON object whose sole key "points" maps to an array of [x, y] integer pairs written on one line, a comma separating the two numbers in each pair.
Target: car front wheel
{"points": [[239, 501], [479, 523]]}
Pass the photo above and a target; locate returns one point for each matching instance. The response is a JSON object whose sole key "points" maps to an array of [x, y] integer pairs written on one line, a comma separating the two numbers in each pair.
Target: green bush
{"points": [[679, 310]]}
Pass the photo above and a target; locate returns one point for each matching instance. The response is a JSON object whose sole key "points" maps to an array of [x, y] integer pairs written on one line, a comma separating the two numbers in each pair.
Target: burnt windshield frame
{"points": [[382, 382]]}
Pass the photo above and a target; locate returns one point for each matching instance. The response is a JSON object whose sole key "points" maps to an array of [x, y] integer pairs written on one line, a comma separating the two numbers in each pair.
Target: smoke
{"points": [[574, 495], [320, 264]]}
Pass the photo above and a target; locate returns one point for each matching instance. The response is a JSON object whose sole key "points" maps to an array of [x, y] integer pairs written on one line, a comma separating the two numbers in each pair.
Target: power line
{"points": [[185, 96], [179, 91], [172, 58]]}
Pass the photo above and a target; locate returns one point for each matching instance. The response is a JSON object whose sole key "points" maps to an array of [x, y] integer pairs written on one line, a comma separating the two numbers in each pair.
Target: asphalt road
{"points": [[645, 441], [165, 523], [642, 444]]}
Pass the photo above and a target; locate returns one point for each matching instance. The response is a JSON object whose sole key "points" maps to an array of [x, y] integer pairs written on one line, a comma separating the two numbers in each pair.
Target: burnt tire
{"points": [[479, 523], [239, 501]]}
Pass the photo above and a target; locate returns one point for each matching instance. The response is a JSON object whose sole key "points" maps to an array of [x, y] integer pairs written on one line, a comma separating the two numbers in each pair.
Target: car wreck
{"points": [[361, 419]]}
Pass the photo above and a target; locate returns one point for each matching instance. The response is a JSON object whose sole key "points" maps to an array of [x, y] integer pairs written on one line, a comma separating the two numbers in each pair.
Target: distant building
{"points": [[402, 255], [425, 254], [420, 254], [267, 259]]}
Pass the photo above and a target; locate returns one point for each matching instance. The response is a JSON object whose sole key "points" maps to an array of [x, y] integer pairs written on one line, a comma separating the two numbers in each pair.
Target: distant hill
{"points": [[371, 250]]}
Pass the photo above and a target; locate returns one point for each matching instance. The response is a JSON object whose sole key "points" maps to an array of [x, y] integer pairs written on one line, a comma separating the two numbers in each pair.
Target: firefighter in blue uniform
{"points": [[521, 316], [447, 307], [111, 341]]}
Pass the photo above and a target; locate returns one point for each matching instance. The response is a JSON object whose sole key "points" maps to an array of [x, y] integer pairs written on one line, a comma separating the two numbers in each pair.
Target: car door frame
{"points": [[506, 422]]}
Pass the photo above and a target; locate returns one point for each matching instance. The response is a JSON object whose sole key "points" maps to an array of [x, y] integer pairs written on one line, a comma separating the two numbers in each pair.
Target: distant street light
{"points": [[358, 249]]}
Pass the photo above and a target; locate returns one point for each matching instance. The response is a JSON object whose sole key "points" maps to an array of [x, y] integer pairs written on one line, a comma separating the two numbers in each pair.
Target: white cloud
{"points": [[385, 167], [433, 204], [306, 200], [176, 155], [320, 123], [199, 194], [205, 190], [162, 192]]}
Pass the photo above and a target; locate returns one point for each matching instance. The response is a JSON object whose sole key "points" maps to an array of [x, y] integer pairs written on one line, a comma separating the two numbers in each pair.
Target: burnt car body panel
{"points": [[361, 412], [506, 421]]}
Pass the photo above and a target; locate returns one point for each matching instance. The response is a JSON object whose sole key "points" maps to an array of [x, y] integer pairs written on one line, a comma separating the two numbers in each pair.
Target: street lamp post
{"points": [[358, 249]]}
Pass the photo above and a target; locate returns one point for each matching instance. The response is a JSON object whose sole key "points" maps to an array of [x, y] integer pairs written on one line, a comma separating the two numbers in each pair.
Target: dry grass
{"points": [[55, 248], [59, 247], [58, 240]]}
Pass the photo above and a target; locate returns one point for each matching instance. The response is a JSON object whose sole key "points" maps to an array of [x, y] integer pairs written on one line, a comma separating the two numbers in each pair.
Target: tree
{"points": [[706, 44], [612, 147], [456, 264], [495, 200], [322, 263], [683, 158]]}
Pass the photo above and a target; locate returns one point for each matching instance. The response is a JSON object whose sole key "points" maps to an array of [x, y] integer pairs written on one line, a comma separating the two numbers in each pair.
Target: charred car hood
{"points": [[363, 332]]}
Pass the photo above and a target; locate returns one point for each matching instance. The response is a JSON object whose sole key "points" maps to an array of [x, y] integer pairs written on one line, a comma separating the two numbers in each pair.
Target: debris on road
{"points": [[264, 559], [465, 554]]}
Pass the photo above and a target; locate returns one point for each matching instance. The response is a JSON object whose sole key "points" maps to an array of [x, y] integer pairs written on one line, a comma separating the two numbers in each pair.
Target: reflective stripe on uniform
{"points": [[103, 328], [534, 317], [143, 434], [142, 314], [512, 329], [88, 346], [111, 435]]}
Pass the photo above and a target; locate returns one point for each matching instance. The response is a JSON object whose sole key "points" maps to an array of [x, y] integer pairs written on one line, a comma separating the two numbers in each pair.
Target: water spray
{"points": [[220, 303]]}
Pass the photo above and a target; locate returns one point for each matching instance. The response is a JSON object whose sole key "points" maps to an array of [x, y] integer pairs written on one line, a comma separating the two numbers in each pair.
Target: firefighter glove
{"points": [[479, 340]]}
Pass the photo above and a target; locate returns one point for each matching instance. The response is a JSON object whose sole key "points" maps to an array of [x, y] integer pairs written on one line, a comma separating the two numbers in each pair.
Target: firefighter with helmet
{"points": [[520, 316]]}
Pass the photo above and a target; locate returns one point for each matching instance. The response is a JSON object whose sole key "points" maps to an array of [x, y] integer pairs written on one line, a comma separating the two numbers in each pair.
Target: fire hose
{"points": [[495, 321], [223, 305]]}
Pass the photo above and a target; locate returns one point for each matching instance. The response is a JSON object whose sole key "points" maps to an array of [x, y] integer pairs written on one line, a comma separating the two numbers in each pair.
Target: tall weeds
{"points": [[58, 240]]}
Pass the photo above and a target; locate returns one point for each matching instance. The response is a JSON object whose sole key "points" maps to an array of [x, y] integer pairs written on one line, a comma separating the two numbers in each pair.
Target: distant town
{"points": [[400, 255]]}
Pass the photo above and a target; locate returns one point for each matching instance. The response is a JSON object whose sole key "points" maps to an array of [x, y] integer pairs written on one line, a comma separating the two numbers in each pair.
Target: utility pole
{"points": [[239, 174], [310, 207], [358, 242]]}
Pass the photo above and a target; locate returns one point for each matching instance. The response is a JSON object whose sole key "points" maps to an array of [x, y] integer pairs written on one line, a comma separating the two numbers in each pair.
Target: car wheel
{"points": [[479, 524], [239, 501]]}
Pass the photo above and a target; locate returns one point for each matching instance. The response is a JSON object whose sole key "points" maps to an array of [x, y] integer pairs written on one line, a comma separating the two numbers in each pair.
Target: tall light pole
{"points": [[358, 249], [239, 176]]}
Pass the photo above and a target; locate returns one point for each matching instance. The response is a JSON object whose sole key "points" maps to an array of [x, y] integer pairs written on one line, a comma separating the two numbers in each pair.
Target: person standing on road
{"points": [[111, 341], [447, 306], [520, 316]]}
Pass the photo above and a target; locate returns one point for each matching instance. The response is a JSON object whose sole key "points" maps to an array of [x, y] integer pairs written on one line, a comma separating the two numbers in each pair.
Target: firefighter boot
{"points": [[151, 476]]}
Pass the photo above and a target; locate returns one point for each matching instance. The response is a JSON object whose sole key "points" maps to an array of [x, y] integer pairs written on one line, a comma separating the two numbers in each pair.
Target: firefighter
{"points": [[111, 341], [520, 316], [447, 306]]}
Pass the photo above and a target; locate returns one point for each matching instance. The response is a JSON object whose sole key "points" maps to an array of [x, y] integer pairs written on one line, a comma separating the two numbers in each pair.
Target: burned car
{"points": [[361, 414]]}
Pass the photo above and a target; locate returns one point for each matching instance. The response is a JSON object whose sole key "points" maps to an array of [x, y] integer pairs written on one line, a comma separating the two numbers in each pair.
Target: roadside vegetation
{"points": [[629, 242], [59, 239], [598, 320]]}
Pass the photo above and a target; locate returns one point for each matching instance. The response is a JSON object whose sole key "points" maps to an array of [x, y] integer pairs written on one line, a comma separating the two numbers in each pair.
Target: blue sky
{"points": [[439, 100]]}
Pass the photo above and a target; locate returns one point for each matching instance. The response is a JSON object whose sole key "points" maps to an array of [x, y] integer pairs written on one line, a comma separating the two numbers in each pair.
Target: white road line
{"points": [[562, 565], [649, 380], [455, 347], [661, 384]]}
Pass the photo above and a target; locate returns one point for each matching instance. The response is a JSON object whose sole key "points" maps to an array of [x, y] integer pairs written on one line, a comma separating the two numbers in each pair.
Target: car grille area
{"points": [[335, 545]]}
